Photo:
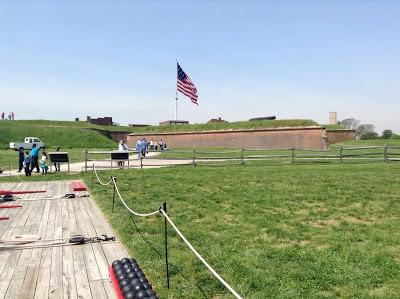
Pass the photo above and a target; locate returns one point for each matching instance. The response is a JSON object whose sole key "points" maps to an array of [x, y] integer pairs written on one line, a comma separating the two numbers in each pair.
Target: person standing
{"points": [[27, 163], [143, 146], [43, 163], [12, 115], [20, 159], [139, 149], [2, 115], [122, 147], [34, 154], [57, 164]]}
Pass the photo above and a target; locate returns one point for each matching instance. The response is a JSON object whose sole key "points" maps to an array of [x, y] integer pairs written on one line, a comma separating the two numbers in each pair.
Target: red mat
{"points": [[78, 186]]}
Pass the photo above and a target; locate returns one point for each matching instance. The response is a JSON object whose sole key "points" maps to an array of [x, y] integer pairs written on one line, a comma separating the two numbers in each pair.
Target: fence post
{"points": [[113, 202], [194, 157], [242, 156], [385, 153], [9, 169], [86, 155], [341, 153], [293, 154], [166, 242]]}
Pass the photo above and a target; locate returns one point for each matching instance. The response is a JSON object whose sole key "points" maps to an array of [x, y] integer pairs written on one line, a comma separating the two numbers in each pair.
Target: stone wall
{"points": [[300, 137], [335, 136]]}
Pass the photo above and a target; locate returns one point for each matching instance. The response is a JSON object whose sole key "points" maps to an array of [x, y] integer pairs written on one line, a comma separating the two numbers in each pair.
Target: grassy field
{"points": [[287, 231], [52, 134], [228, 125], [82, 126]]}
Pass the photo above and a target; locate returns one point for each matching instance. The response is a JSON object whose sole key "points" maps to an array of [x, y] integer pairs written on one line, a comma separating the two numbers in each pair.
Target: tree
{"points": [[365, 129], [369, 135], [387, 134], [350, 123]]}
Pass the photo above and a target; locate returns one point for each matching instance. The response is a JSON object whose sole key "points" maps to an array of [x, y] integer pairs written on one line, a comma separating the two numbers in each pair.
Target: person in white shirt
{"points": [[122, 147]]}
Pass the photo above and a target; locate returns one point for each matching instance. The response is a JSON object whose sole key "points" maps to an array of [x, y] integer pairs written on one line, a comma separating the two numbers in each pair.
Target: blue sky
{"points": [[292, 59]]}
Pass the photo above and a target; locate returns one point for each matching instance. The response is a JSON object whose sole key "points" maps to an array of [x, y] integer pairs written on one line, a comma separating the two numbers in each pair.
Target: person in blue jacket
{"points": [[27, 163], [34, 154], [20, 159], [143, 146], [139, 149]]}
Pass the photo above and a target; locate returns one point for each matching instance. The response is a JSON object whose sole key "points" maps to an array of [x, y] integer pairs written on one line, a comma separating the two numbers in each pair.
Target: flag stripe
{"points": [[186, 93], [185, 85]]}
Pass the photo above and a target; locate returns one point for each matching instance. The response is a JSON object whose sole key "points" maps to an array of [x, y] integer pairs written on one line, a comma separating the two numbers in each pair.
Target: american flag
{"points": [[186, 86]]}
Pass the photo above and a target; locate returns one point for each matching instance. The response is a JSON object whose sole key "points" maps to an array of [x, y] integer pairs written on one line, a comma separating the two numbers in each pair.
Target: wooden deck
{"points": [[61, 271]]}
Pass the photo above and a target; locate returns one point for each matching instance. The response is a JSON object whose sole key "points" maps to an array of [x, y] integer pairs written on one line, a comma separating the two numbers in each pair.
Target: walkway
{"points": [[55, 270]]}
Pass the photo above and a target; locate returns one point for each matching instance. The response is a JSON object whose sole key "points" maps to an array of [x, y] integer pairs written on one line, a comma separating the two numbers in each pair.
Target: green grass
{"points": [[370, 142], [285, 231], [228, 126], [52, 134]]}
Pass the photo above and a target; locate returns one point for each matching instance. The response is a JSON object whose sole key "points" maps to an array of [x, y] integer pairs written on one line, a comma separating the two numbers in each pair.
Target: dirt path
{"points": [[107, 164]]}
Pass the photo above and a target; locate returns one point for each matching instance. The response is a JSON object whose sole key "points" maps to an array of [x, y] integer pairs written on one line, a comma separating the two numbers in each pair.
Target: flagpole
{"points": [[176, 106], [176, 98]]}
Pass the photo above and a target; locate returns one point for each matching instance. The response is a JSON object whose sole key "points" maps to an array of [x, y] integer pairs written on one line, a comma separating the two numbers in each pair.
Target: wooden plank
{"points": [[30, 226], [4, 255], [69, 283], [14, 215], [101, 260], [31, 277], [43, 280], [87, 230], [97, 289], [109, 287], [8, 271], [97, 215], [14, 258], [82, 282], [56, 282]]}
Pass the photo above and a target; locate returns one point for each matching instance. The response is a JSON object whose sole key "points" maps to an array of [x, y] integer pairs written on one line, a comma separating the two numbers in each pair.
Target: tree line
{"points": [[365, 131]]}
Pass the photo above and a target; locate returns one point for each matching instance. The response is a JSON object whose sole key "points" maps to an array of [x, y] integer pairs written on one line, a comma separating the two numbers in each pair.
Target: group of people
{"points": [[155, 144], [30, 160], [11, 115], [143, 146]]}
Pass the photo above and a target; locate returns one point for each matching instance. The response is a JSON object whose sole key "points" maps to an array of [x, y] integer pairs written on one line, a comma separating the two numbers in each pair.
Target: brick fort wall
{"points": [[335, 136], [301, 137]]}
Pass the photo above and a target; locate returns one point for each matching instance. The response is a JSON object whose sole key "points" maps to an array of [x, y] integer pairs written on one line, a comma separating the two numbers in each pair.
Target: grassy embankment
{"points": [[74, 136], [285, 231], [70, 136]]}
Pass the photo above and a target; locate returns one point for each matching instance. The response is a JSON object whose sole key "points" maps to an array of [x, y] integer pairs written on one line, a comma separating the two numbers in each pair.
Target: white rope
{"points": [[104, 184], [200, 257], [126, 206], [178, 232]]}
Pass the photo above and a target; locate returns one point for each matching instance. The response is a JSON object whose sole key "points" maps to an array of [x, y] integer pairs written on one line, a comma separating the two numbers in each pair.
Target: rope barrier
{"points": [[200, 257], [126, 206], [104, 184], [160, 210]]}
